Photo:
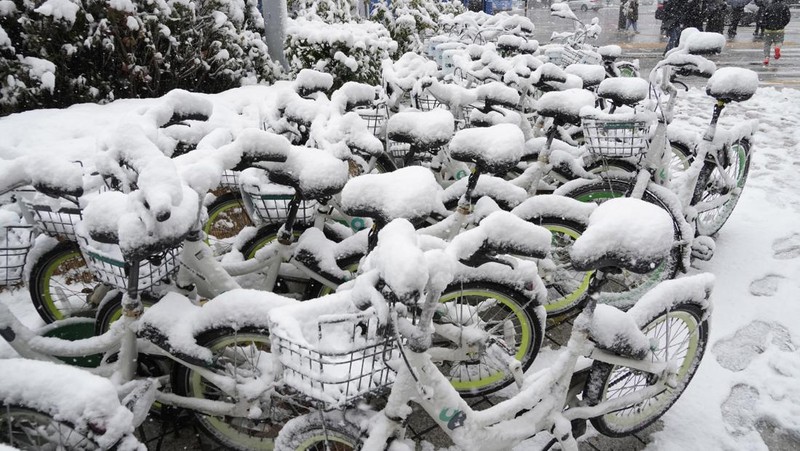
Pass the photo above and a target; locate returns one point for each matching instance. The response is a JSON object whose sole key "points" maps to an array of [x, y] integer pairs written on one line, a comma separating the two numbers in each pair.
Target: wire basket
{"points": [[427, 103], [229, 180], [270, 208], [612, 138], [15, 242], [58, 224], [347, 361], [376, 119], [109, 267]]}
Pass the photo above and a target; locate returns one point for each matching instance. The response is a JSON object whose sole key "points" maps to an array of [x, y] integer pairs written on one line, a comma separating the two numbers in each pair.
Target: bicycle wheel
{"points": [[623, 287], [319, 431], [226, 218], [283, 285], [235, 353], [566, 286], [112, 311], [679, 333], [498, 310], [26, 429], [711, 187], [60, 284], [681, 159]]}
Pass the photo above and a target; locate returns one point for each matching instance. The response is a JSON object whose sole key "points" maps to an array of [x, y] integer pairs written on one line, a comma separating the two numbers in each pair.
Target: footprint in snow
{"points": [[741, 415], [766, 286], [737, 351], [787, 247]]}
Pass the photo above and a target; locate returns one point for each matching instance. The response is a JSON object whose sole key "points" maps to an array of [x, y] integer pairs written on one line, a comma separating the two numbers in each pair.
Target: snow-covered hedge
{"points": [[54, 53], [350, 51], [409, 21]]}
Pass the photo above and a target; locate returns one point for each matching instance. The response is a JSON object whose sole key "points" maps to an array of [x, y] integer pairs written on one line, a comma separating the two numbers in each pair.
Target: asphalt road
{"points": [[648, 46]]}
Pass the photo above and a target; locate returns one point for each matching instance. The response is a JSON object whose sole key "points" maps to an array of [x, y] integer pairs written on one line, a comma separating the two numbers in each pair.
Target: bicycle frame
{"points": [[538, 407]]}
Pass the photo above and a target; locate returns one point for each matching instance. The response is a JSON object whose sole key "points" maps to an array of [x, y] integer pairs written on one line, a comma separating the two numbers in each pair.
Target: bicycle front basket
{"points": [[344, 361], [58, 223], [616, 138], [15, 242]]}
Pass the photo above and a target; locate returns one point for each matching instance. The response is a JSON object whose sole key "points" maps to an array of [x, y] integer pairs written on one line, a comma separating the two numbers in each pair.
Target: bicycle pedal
{"points": [[703, 248]]}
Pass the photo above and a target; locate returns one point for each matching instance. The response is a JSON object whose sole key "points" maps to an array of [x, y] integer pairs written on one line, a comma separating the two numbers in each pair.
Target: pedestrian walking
{"points": [[632, 17], [758, 32], [673, 21], [693, 14], [622, 23], [776, 17], [715, 14], [737, 9]]}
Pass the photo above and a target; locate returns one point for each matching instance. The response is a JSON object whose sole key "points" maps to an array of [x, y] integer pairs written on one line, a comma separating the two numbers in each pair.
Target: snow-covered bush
{"points": [[328, 10], [54, 53], [349, 51], [409, 21]]}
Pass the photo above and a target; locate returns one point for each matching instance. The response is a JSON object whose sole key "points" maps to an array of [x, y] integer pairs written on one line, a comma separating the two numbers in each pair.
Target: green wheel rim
{"points": [[47, 295], [524, 344], [228, 211], [566, 302], [199, 388], [628, 417]]}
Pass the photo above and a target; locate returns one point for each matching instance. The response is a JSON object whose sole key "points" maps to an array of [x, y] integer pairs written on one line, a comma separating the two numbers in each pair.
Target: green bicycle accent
{"points": [[461, 174], [358, 224], [563, 303], [524, 343]]}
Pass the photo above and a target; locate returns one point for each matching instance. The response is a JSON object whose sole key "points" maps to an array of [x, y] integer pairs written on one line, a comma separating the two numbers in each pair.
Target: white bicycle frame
{"points": [[538, 407]]}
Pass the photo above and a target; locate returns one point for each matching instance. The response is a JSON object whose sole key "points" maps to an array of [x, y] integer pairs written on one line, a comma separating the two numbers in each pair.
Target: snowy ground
{"points": [[746, 394]]}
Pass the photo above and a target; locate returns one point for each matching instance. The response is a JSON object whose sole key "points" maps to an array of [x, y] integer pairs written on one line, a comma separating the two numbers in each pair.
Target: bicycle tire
{"points": [[111, 311], [27, 428], [60, 283], [682, 157], [711, 221], [511, 305], [567, 287], [603, 375], [227, 217], [625, 287], [233, 432], [320, 431]]}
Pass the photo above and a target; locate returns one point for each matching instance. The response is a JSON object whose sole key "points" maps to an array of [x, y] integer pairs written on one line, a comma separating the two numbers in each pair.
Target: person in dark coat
{"points": [[758, 32], [737, 9], [622, 23], [632, 16], [693, 15], [673, 21], [715, 14], [776, 17]]}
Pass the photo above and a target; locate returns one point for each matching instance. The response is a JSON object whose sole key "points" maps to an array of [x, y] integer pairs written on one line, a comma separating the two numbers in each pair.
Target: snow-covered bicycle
{"points": [[620, 370]]}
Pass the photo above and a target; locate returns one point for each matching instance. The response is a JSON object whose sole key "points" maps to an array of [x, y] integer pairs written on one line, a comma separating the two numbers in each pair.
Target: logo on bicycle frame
{"points": [[455, 419]]}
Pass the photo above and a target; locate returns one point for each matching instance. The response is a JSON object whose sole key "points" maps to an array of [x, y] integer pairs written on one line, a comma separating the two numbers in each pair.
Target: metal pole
{"points": [[275, 16]]}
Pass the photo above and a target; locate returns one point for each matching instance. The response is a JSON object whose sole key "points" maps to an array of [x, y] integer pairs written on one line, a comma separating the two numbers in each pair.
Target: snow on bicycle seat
{"points": [[591, 74], [564, 106], [624, 90], [309, 81], [352, 95], [174, 322], [426, 129], [625, 233], [501, 233], [304, 111], [496, 93], [732, 84], [117, 218], [411, 193], [506, 194], [314, 173], [493, 150], [610, 52]]}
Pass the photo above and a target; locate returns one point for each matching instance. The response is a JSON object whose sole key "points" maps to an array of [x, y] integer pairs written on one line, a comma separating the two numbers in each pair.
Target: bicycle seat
{"points": [[616, 331], [496, 93], [564, 106], [732, 84], [610, 52], [624, 233], [624, 90], [313, 173], [427, 130], [353, 95], [493, 150], [411, 193], [591, 74], [309, 81], [505, 194], [303, 111], [174, 322], [500, 233]]}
